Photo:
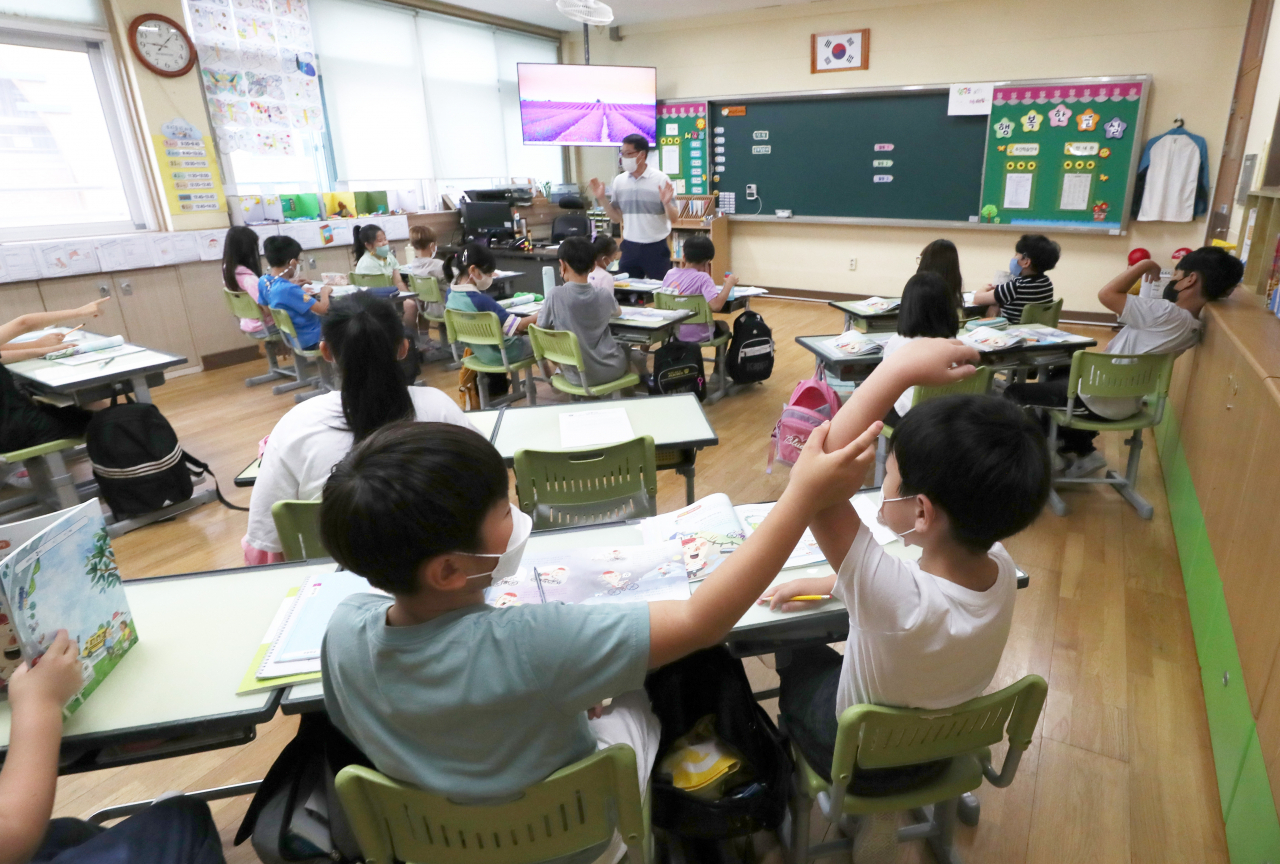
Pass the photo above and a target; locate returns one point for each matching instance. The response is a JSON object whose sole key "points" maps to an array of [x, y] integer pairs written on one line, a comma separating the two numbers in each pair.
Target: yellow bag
{"points": [[700, 763], [468, 386]]}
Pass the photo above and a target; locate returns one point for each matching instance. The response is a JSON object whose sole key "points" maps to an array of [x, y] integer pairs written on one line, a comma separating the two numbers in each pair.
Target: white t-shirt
{"points": [[1170, 193], [1152, 326], [915, 640], [903, 405], [308, 442], [644, 216]]}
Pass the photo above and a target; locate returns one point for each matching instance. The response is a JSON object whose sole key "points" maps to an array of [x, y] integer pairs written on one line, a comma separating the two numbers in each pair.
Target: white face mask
{"points": [[630, 163], [509, 561], [482, 283], [880, 515]]}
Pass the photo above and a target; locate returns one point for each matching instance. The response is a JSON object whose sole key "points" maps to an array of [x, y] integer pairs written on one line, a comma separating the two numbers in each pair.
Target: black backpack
{"points": [[137, 460], [750, 350], [677, 368]]}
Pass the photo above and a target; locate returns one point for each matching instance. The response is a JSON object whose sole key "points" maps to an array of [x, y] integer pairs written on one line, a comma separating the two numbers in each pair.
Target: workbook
{"points": [[854, 344], [987, 339], [94, 350], [875, 305], [595, 574], [59, 573]]}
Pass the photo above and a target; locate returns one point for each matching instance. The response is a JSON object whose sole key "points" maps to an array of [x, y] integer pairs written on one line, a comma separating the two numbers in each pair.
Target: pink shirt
{"points": [[687, 281], [600, 278], [248, 283]]}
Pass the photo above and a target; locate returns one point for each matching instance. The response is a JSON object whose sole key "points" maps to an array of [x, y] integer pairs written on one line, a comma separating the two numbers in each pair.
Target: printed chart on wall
{"points": [[188, 169], [1060, 154], [682, 146]]}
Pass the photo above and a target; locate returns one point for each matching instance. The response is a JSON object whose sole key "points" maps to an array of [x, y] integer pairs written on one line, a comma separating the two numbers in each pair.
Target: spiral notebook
{"points": [[295, 650]]}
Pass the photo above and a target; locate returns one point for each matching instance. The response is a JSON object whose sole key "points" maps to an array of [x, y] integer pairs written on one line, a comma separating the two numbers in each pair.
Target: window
{"points": [[65, 167]]}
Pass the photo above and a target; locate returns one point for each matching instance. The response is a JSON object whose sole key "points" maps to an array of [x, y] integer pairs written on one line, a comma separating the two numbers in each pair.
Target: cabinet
{"points": [[213, 328], [72, 291], [154, 314], [19, 299]]}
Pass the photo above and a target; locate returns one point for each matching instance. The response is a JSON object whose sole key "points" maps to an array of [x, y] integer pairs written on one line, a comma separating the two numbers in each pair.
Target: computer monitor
{"points": [[486, 219], [515, 196]]}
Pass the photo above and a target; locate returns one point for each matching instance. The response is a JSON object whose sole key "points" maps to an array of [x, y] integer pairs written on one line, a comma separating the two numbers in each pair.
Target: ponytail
{"points": [[471, 255], [365, 334], [364, 234]]}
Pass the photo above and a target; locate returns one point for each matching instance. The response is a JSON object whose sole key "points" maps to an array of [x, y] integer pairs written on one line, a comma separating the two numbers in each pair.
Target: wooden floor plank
{"points": [[1081, 810]]}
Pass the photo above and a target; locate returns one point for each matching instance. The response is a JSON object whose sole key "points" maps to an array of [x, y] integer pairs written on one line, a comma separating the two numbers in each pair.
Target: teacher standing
{"points": [[642, 200]]}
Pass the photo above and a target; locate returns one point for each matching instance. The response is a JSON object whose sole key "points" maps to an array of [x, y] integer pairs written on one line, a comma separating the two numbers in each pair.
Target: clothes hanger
{"points": [[1178, 122]]}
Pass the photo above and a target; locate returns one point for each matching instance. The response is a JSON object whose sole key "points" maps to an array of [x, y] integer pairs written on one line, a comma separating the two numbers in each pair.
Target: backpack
{"points": [[677, 368], [812, 403], [137, 461], [713, 682], [750, 350]]}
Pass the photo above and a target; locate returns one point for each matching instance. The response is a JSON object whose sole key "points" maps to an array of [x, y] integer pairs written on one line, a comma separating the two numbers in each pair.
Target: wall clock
{"points": [[162, 45]]}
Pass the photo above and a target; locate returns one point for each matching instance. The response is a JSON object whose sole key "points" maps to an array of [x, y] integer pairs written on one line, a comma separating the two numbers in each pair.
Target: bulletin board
{"points": [[1063, 154], [682, 146]]}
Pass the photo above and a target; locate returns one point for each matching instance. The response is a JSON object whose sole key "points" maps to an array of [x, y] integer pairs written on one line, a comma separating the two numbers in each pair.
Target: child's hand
{"points": [[821, 479], [779, 596], [595, 712], [53, 681], [931, 362], [91, 310], [731, 280]]}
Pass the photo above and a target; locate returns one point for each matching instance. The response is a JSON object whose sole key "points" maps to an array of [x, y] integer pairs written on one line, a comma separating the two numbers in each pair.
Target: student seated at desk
{"points": [[584, 310], [964, 472], [927, 310], [426, 265], [471, 272], [365, 338], [605, 248], [176, 830], [694, 277], [1169, 325], [941, 257], [1036, 256], [374, 258], [24, 422], [242, 271], [279, 291], [477, 703]]}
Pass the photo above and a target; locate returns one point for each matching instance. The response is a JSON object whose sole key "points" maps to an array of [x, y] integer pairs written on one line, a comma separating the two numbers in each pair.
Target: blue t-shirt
{"points": [[481, 702], [280, 293], [465, 298]]}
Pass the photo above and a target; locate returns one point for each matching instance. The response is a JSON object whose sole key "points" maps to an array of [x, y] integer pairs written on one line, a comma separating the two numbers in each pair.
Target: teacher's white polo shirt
{"points": [[644, 219]]}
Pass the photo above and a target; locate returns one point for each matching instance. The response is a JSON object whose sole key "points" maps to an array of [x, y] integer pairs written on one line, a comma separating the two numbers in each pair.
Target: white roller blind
{"points": [[540, 162], [372, 82], [460, 63]]}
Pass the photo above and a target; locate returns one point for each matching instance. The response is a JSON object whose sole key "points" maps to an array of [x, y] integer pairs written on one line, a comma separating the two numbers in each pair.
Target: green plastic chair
{"points": [[483, 328], [369, 280], [428, 290], [979, 383], [563, 489], [1042, 313], [313, 369], [52, 485], [298, 524], [562, 348], [701, 315], [1118, 375], [575, 809], [244, 306], [872, 736]]}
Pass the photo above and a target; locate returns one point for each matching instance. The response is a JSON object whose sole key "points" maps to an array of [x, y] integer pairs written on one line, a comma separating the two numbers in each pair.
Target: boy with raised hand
{"points": [[964, 472]]}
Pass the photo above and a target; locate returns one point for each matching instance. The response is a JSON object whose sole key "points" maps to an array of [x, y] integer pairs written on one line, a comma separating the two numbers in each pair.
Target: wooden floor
{"points": [[1120, 769]]}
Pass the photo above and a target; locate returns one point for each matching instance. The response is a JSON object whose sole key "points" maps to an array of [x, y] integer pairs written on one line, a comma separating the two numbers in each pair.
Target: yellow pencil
{"points": [[800, 597]]}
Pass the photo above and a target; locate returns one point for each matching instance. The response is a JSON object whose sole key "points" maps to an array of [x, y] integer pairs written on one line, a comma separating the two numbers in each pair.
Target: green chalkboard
{"points": [[683, 146], [831, 157]]}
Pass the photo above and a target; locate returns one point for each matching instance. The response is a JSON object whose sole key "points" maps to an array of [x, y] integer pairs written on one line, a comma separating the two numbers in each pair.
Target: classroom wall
{"points": [[1266, 101], [1191, 47]]}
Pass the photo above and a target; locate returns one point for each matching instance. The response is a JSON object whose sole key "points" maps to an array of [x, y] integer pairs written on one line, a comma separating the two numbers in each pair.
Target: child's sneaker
{"points": [[1085, 465], [19, 479]]}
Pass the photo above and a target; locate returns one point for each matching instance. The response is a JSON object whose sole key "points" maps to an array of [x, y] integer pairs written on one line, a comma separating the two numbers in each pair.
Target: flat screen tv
{"points": [[587, 106]]}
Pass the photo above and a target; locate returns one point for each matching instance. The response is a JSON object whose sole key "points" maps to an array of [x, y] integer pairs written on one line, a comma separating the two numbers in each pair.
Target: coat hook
{"points": [[1179, 122]]}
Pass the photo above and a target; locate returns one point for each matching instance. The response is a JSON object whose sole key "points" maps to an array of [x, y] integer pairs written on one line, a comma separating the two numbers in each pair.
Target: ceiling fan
{"points": [[586, 11]]}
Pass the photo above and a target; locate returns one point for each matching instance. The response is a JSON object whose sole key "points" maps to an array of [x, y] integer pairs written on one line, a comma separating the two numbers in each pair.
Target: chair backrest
{"points": [[1097, 374], [475, 328], [285, 325], [574, 809], [241, 304], [979, 382], [560, 489], [873, 736], [427, 288], [559, 346], [570, 225], [298, 524], [1042, 313], [369, 280], [696, 302]]}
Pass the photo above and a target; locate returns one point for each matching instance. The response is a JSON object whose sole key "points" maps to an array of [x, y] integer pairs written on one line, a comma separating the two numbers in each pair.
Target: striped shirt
{"points": [[644, 217], [1020, 291]]}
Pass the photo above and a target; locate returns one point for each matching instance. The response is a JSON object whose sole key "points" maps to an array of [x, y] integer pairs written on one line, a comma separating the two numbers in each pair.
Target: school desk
{"points": [[90, 382], [887, 322], [857, 368], [249, 475], [649, 330], [635, 295], [677, 423]]}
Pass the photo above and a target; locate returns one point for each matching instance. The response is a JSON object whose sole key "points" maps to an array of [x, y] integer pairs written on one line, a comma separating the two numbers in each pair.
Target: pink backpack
{"points": [[812, 403]]}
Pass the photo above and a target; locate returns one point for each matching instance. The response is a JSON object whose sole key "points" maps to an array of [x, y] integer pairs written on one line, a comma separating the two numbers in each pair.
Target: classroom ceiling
{"points": [[544, 13]]}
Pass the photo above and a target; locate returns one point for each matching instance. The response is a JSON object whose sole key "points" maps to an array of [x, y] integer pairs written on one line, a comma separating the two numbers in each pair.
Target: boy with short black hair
{"points": [[585, 310], [278, 290], [964, 472], [1036, 255], [1169, 325], [694, 277]]}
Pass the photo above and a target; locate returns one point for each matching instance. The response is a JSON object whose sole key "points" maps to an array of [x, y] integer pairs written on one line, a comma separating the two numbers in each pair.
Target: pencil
{"points": [[800, 597], [72, 330]]}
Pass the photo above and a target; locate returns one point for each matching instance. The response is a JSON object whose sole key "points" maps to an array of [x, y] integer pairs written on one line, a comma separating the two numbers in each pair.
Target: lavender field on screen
{"points": [[585, 122]]}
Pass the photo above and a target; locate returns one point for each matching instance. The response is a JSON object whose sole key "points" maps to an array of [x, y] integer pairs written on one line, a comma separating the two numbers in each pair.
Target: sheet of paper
{"points": [[163, 250], [136, 252], [1075, 191], [970, 99], [806, 551], [1017, 191], [396, 227], [306, 233], [100, 356], [343, 232], [53, 260], [110, 254], [670, 159], [210, 243], [186, 247], [264, 231], [868, 507], [19, 263], [593, 428]]}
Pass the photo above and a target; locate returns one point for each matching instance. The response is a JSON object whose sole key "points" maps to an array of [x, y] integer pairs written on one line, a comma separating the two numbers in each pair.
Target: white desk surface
{"points": [[655, 319], [62, 378], [673, 421], [197, 636], [817, 345]]}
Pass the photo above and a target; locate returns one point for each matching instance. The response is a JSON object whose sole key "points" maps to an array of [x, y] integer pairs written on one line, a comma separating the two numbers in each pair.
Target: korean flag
{"points": [[835, 51]]}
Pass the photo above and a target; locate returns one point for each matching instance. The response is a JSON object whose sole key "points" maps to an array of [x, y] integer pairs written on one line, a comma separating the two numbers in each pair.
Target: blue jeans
{"points": [[174, 831], [649, 260]]}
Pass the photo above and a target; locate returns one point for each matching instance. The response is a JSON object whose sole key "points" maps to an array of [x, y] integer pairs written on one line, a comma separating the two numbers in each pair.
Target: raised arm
{"points": [[818, 479], [36, 320], [720, 299], [599, 191], [668, 196], [1115, 294]]}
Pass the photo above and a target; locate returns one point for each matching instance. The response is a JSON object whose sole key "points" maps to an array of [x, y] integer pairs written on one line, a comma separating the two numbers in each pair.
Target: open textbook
{"points": [[853, 343], [59, 573], [595, 574]]}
